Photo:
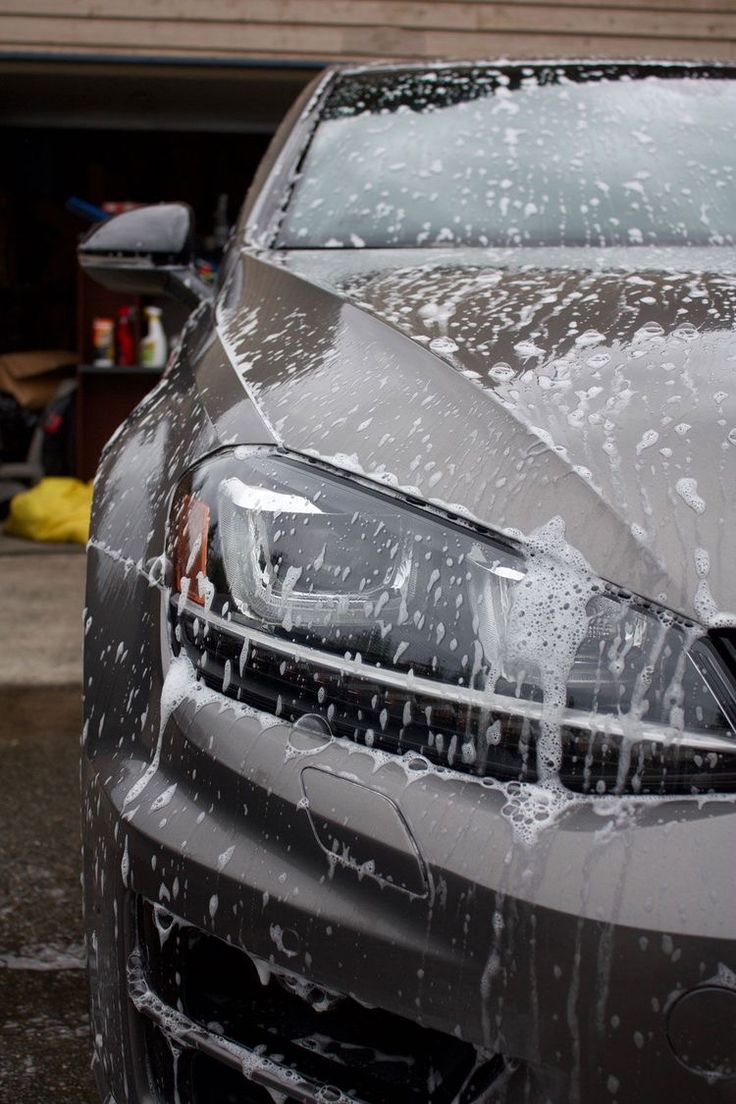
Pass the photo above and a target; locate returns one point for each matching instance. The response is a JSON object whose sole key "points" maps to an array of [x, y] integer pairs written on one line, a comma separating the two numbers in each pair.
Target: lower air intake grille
{"points": [[239, 1028]]}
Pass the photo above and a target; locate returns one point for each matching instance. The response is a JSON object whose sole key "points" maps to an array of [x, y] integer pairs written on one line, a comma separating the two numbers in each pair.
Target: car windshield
{"points": [[536, 156]]}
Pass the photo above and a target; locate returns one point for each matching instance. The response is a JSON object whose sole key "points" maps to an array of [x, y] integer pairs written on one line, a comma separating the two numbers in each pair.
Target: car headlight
{"points": [[310, 595]]}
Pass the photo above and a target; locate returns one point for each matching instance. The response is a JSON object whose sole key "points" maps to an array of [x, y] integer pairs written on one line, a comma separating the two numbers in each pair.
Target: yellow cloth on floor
{"points": [[56, 509]]}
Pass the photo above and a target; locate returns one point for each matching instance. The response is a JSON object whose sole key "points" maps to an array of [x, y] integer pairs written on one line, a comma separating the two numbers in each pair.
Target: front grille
{"points": [[210, 1082], [453, 734], [210, 1003], [387, 718]]}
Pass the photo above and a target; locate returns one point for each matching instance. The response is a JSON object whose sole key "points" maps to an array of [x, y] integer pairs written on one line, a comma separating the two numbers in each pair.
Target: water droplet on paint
{"points": [[501, 372], [442, 345]]}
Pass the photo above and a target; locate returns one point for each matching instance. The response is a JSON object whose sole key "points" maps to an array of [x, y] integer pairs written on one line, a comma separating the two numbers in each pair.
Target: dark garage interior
{"points": [[44, 167], [80, 137]]}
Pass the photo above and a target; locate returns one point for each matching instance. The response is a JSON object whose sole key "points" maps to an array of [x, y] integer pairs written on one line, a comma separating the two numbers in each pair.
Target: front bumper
{"points": [[405, 889]]}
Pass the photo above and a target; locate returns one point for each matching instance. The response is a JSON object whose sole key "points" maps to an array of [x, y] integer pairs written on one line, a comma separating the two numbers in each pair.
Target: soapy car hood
{"points": [[516, 387]]}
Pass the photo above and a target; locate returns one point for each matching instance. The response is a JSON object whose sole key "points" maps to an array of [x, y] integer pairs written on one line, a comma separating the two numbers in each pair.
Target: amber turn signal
{"points": [[190, 547]]}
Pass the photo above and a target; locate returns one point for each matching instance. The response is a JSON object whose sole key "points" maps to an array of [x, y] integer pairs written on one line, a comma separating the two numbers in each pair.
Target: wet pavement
{"points": [[44, 1027], [41, 622]]}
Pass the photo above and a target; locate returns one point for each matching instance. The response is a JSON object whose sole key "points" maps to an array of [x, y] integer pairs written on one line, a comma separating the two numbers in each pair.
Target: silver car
{"points": [[409, 756]]}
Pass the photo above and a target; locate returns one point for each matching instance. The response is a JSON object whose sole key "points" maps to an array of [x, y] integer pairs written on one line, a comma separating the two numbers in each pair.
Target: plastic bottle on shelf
{"points": [[103, 342], [154, 345], [125, 343]]}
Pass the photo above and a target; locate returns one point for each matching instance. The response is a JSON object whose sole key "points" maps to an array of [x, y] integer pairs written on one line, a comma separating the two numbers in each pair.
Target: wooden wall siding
{"points": [[353, 29]]}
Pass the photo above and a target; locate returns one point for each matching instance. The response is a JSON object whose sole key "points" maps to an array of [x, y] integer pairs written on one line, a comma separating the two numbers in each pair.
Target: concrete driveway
{"points": [[44, 1028]]}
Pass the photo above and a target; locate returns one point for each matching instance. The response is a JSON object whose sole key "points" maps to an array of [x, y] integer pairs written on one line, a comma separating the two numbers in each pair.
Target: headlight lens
{"points": [[304, 593]]}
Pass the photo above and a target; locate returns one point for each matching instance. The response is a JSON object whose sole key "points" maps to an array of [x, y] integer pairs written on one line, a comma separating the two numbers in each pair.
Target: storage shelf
{"points": [[120, 369]]}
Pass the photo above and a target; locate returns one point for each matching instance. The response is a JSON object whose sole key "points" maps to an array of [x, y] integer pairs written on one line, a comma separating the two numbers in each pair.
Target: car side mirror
{"points": [[146, 251]]}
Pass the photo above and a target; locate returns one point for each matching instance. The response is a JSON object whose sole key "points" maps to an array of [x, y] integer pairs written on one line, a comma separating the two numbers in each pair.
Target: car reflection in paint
{"points": [[409, 749]]}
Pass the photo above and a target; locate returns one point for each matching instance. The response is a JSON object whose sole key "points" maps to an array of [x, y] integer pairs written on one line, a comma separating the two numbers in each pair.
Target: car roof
{"points": [[645, 65]]}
